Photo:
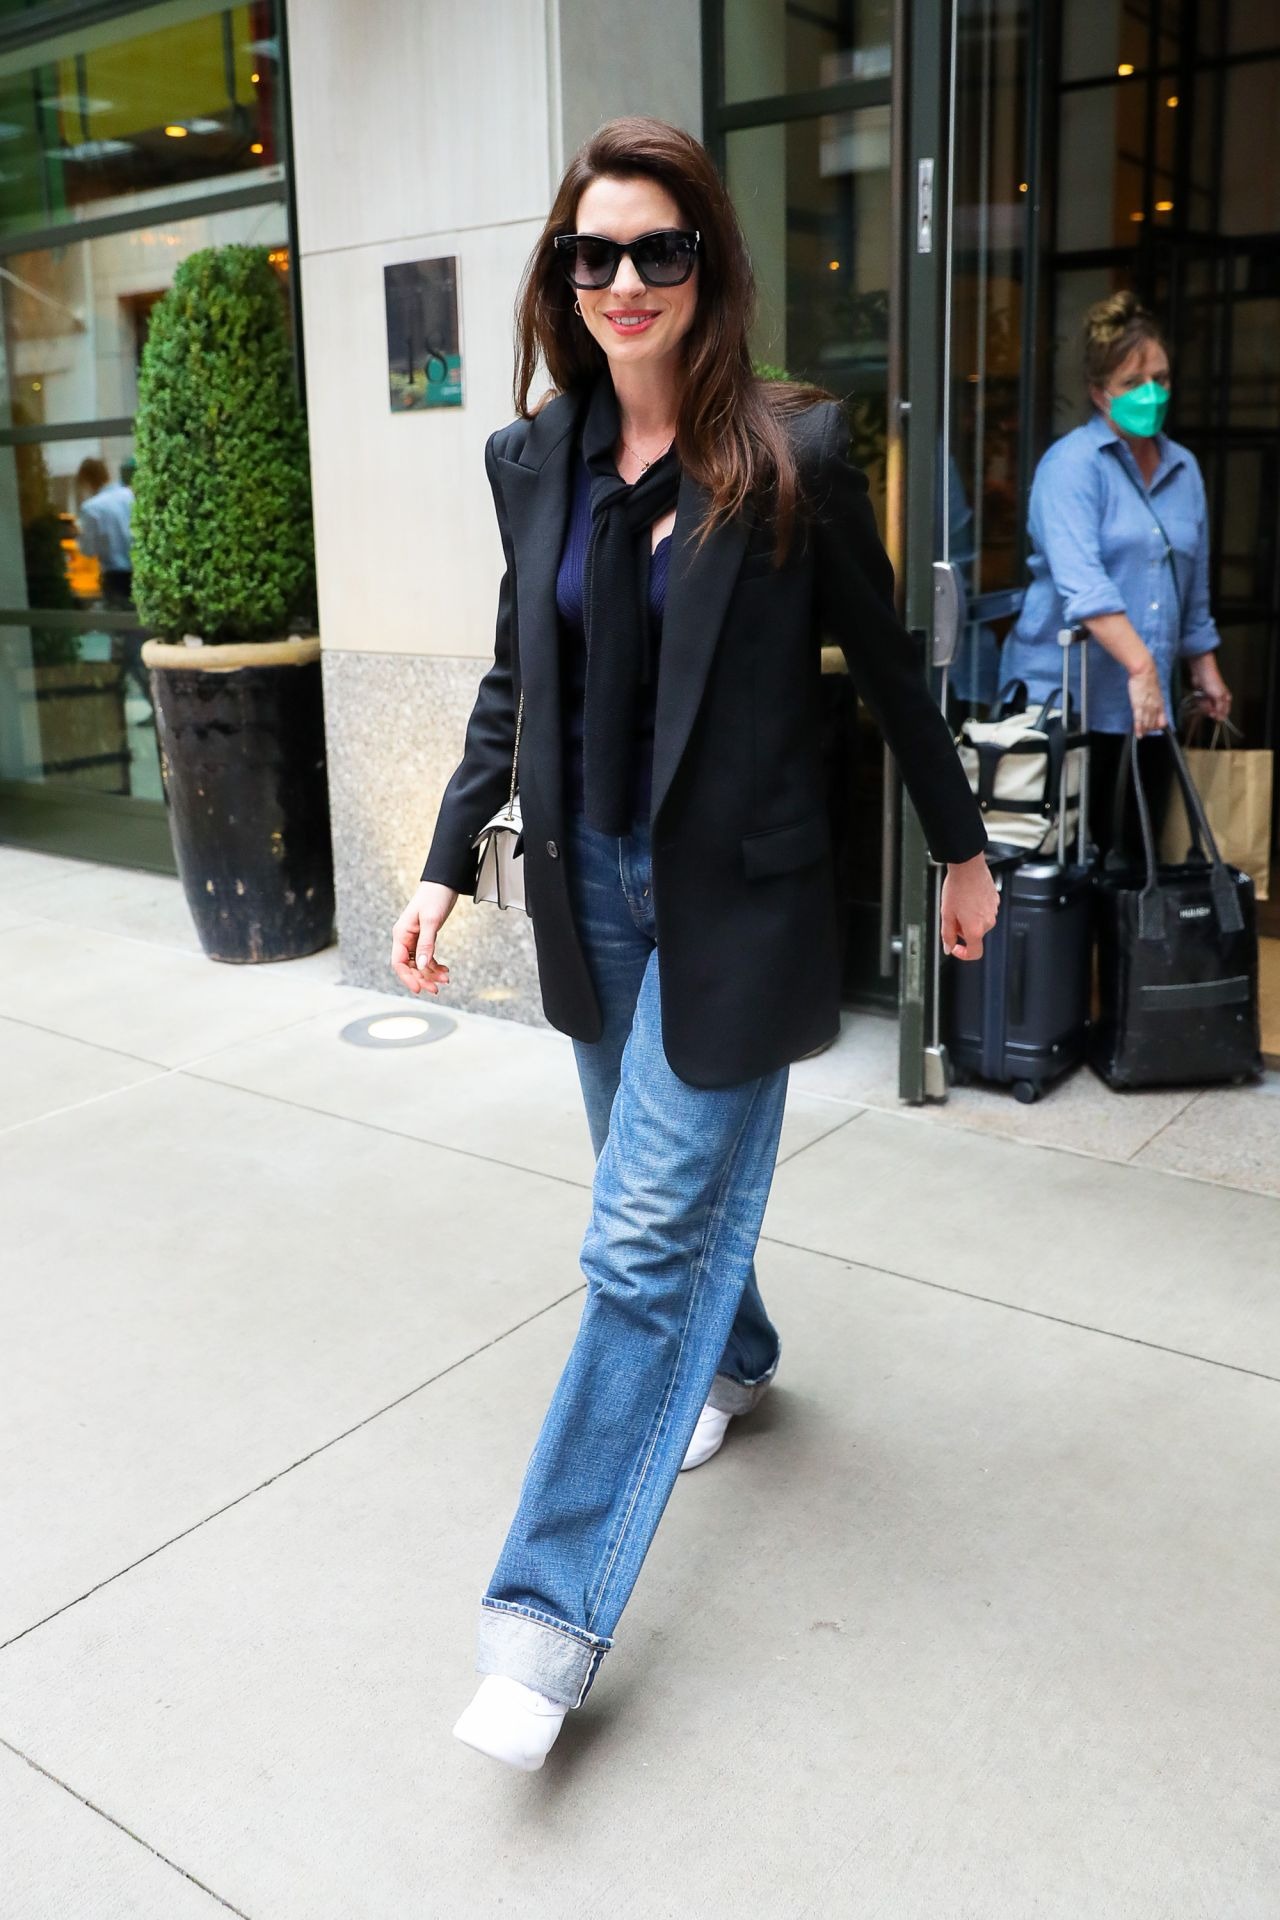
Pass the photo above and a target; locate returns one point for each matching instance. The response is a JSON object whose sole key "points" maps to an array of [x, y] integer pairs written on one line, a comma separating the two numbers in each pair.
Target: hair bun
{"points": [[1107, 319], [1112, 329]]}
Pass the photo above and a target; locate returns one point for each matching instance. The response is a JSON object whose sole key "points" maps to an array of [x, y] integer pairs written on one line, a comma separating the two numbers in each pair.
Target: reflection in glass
{"points": [[1255, 342], [1247, 552], [1098, 39], [989, 269], [1249, 187], [75, 318], [77, 358], [1240, 26], [1100, 198], [75, 711], [128, 115], [772, 48], [1075, 291], [75, 701], [1243, 659], [813, 197], [1197, 393]]}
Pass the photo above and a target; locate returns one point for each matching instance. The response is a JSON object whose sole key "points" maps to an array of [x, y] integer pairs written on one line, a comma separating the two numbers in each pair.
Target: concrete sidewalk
{"points": [[976, 1616]]}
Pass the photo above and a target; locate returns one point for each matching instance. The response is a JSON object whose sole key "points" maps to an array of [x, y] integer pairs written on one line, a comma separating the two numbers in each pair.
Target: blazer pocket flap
{"points": [[782, 849]]}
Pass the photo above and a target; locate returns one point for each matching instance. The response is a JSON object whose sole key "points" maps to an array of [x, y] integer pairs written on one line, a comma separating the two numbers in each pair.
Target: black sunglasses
{"points": [[662, 259]]}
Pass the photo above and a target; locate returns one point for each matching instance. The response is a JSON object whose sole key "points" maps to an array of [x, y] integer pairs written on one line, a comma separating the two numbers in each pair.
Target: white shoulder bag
{"points": [[500, 876]]}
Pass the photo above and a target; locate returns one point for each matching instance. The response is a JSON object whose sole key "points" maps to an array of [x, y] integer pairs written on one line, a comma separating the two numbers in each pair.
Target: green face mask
{"points": [[1141, 411]]}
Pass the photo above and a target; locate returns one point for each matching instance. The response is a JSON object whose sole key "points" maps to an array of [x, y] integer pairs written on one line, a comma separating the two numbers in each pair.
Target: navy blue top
{"points": [[573, 653]]}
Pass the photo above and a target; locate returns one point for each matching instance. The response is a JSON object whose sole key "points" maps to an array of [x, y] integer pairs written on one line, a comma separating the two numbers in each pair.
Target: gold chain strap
{"points": [[511, 797]]}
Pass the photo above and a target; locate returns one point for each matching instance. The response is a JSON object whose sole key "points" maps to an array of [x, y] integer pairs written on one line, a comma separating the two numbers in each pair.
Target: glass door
{"points": [[130, 142], [797, 114], [967, 405]]}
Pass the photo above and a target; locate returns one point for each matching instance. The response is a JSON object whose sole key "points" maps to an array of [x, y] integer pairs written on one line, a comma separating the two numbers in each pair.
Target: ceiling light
{"points": [[256, 147], [176, 133], [1125, 69], [1164, 206], [1137, 216], [1172, 101], [1022, 186]]}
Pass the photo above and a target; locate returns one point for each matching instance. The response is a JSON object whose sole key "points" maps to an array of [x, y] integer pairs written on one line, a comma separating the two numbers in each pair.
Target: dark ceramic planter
{"points": [[241, 732]]}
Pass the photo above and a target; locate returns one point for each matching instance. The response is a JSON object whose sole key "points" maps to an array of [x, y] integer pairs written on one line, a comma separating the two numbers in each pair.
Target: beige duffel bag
{"points": [[1018, 765]]}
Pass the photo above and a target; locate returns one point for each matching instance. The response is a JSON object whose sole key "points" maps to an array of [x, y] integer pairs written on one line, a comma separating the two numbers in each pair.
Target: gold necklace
{"points": [[646, 464]]}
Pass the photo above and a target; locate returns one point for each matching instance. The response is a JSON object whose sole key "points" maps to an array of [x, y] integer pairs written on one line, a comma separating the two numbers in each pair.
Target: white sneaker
{"points": [[708, 1437], [510, 1722]]}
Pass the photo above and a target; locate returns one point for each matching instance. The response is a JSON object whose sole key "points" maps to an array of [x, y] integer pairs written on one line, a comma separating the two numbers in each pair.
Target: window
{"points": [[116, 115], [798, 117], [123, 149]]}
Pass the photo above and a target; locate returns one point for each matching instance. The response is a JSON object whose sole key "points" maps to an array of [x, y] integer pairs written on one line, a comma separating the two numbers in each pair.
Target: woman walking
{"points": [[1119, 531], [678, 536]]}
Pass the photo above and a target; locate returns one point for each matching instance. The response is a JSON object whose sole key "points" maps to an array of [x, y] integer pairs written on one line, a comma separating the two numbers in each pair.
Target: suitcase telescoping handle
{"points": [[1067, 638]]}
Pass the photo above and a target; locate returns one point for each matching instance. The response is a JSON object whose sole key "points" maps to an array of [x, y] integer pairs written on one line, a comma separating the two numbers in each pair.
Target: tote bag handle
{"points": [[1151, 919]]}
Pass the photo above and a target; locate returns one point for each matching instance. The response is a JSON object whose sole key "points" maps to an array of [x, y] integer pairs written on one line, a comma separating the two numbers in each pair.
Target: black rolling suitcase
{"points": [[1019, 1016]]}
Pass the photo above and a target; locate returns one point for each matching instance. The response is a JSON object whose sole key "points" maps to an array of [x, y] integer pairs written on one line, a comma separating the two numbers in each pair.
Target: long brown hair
{"points": [[731, 434], [1112, 328]]}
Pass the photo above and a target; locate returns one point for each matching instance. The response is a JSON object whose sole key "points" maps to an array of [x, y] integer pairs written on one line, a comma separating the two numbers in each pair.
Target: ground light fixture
{"points": [[415, 1028]]}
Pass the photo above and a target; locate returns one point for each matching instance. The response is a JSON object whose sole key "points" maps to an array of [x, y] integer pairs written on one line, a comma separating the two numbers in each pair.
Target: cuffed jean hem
{"points": [[539, 1651], [728, 1395]]}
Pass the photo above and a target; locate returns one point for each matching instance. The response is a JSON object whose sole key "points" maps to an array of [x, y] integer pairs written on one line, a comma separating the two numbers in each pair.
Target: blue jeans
{"points": [[673, 1315]]}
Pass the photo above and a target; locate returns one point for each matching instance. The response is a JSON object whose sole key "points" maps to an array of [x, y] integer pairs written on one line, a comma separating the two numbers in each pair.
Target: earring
{"points": [[577, 307]]}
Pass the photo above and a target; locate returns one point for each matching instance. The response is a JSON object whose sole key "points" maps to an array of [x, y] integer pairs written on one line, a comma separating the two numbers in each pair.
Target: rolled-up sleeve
{"points": [[1199, 633], [1066, 515]]}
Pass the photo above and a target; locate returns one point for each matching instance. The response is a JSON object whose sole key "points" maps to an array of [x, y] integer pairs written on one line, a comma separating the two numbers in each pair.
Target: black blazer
{"points": [[743, 885]]}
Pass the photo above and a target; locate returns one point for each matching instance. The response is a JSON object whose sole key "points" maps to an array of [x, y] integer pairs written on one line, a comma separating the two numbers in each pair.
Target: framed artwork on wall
{"points": [[424, 353]]}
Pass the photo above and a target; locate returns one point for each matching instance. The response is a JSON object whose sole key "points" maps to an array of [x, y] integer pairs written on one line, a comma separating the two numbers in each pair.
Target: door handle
{"points": [[950, 611]]}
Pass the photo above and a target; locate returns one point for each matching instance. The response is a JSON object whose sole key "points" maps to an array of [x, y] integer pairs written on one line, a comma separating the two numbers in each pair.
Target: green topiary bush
{"points": [[222, 537]]}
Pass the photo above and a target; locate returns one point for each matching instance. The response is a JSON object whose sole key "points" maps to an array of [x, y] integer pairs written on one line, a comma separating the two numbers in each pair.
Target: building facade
{"points": [[933, 191]]}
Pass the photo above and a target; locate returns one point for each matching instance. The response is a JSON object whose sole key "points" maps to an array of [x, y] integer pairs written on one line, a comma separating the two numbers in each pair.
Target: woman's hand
{"points": [[1146, 697], [970, 905], [413, 939], [1213, 691]]}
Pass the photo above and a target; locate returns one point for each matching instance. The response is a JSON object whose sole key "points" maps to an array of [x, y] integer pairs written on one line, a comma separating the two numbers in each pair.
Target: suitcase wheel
{"points": [[1025, 1092]]}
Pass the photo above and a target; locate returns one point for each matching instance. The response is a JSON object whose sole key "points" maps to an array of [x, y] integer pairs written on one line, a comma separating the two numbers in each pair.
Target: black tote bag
{"points": [[1177, 955]]}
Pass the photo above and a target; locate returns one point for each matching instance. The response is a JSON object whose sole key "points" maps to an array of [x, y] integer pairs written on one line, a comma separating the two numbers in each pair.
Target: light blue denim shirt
{"points": [[105, 526], [1096, 548]]}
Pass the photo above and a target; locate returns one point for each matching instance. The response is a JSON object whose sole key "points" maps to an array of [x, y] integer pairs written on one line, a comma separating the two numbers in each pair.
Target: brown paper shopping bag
{"points": [[1235, 785]]}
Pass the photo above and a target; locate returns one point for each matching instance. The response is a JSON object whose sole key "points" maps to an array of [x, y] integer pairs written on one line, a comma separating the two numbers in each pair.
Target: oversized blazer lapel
{"points": [[537, 488], [699, 584]]}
